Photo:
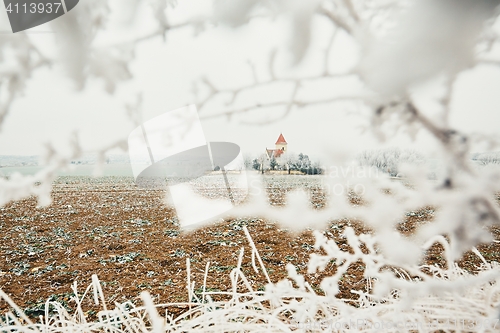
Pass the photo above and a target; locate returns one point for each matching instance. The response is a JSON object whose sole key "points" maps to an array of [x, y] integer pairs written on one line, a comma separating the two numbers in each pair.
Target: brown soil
{"points": [[131, 241]]}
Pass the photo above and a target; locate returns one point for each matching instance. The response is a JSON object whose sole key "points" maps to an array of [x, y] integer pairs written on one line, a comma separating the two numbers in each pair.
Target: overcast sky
{"points": [[51, 109]]}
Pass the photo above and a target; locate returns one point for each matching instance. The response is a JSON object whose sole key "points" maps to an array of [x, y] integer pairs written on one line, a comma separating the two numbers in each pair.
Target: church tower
{"points": [[281, 143]]}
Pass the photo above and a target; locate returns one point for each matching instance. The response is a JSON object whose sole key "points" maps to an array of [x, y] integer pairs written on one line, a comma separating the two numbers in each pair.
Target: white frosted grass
{"points": [[447, 299], [450, 42]]}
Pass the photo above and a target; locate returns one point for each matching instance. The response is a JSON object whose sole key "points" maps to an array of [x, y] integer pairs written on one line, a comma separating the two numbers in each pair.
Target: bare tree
{"points": [[389, 160]]}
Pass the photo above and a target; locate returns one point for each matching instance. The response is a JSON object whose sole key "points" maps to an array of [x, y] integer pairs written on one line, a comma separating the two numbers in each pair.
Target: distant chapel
{"points": [[280, 148]]}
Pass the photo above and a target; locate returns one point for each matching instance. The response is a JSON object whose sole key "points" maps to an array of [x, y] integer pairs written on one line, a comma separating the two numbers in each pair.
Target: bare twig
{"points": [[287, 104], [328, 50], [337, 20], [352, 11]]}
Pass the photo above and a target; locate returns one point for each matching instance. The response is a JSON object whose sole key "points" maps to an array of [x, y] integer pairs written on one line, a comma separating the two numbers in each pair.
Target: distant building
{"points": [[280, 148]]}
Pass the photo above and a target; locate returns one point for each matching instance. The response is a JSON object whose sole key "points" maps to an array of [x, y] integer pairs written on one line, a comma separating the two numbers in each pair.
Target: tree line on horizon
{"points": [[291, 162]]}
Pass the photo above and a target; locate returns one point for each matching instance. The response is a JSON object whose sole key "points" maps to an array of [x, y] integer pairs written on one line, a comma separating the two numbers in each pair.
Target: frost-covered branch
{"points": [[397, 54]]}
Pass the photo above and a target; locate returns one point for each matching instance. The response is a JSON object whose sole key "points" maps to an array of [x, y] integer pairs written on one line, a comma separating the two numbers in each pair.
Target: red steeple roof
{"points": [[281, 139]]}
